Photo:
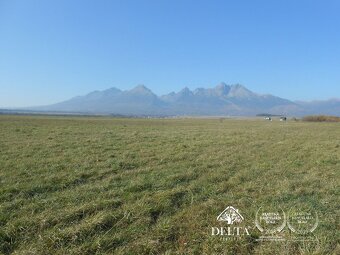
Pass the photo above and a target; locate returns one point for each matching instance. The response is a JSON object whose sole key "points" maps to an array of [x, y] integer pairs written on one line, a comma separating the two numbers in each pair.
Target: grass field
{"points": [[95, 185]]}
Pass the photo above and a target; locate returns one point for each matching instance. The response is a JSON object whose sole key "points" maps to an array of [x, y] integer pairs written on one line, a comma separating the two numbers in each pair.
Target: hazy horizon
{"points": [[160, 95]]}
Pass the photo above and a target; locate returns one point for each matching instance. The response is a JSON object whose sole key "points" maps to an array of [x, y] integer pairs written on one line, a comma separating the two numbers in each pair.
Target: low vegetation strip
{"points": [[95, 185], [321, 118]]}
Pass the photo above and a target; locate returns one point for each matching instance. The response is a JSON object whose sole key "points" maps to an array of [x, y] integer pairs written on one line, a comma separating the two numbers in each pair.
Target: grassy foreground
{"points": [[86, 185]]}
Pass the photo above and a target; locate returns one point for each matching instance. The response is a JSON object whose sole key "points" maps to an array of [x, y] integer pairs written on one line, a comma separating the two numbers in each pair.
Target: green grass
{"points": [[86, 185]]}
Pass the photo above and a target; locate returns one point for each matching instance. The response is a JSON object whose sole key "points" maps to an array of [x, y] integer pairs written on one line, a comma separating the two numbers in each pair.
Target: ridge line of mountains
{"points": [[222, 100]]}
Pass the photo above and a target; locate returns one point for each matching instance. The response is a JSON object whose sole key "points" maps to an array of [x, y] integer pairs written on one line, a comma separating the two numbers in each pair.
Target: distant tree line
{"points": [[321, 118]]}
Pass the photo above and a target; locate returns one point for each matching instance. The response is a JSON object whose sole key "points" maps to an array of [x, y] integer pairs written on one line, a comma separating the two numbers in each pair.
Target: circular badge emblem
{"points": [[302, 220], [269, 220]]}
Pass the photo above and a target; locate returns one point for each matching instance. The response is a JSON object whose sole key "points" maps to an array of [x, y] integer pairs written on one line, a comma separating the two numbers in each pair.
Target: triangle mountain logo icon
{"points": [[230, 215]]}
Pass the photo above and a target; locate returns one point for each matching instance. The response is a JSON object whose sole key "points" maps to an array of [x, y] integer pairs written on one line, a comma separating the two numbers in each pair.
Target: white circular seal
{"points": [[270, 221], [302, 221]]}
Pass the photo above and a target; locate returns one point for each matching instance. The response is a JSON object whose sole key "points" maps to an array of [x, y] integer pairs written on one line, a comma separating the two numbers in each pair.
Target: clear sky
{"points": [[53, 50]]}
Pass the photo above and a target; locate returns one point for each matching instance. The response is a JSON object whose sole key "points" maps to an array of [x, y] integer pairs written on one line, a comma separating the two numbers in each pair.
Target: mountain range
{"points": [[222, 100]]}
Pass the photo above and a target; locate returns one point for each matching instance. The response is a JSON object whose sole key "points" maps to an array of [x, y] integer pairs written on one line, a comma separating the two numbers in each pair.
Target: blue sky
{"points": [[54, 50]]}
